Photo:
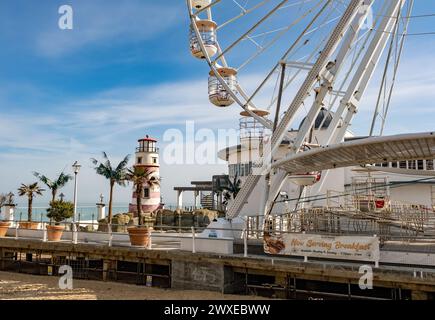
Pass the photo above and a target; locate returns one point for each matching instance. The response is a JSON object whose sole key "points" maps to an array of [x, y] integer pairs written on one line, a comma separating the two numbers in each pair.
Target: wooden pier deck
{"points": [[283, 277]]}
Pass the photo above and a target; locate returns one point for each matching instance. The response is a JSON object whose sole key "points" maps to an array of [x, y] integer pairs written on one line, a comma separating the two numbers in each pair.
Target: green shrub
{"points": [[60, 210]]}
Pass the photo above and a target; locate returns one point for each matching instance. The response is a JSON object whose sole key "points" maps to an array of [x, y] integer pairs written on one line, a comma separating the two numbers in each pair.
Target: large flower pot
{"points": [[139, 236], [4, 226], [54, 233], [31, 225]]}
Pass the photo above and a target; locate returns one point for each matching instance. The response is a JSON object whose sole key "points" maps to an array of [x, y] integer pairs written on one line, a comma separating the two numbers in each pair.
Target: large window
{"points": [[240, 169], [429, 165]]}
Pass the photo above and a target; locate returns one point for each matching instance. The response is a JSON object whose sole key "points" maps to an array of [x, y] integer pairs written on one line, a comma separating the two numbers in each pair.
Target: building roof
{"points": [[417, 146], [147, 138]]}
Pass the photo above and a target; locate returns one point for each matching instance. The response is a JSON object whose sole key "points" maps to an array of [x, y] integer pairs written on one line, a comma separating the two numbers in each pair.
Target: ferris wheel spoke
{"points": [[240, 6], [278, 36], [305, 60], [292, 47], [268, 15], [242, 14]]}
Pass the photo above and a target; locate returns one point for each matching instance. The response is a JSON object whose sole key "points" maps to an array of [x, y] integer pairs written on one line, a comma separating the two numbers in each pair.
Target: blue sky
{"points": [[125, 71]]}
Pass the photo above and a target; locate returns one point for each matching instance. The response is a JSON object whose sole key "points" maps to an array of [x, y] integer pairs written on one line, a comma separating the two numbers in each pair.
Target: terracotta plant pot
{"points": [[4, 226], [29, 225], [139, 236], [54, 233]]}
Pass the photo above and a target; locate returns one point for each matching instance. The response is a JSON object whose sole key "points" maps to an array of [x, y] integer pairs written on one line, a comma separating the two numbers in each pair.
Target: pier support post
{"points": [[179, 199], [106, 267], [193, 240]]}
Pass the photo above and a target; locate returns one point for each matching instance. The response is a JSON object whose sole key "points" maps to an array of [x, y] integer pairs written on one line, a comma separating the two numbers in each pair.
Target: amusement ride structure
{"points": [[311, 59]]}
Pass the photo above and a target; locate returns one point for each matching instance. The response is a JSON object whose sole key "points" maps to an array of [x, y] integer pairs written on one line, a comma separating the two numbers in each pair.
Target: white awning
{"points": [[416, 146]]}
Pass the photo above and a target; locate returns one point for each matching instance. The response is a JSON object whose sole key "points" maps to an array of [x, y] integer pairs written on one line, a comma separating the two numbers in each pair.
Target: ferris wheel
{"points": [[294, 59]]}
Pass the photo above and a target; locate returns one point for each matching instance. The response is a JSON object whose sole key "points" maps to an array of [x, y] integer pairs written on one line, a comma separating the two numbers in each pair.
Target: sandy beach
{"points": [[16, 286]]}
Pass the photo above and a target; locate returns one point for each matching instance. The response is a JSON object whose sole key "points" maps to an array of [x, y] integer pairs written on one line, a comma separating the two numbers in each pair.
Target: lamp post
{"points": [[61, 196], [76, 168]]}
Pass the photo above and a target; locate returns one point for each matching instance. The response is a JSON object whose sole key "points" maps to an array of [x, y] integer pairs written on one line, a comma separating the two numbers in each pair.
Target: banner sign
{"points": [[321, 246]]}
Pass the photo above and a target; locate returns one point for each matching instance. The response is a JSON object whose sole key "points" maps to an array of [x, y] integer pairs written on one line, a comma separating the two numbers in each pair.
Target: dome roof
{"points": [[322, 114]]}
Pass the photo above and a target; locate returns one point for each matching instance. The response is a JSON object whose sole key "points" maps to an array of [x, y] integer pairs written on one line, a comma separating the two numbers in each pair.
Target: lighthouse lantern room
{"points": [[147, 158]]}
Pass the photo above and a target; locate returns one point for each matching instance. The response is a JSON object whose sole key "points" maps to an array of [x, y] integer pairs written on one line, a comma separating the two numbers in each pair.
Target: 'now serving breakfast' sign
{"points": [[321, 246]]}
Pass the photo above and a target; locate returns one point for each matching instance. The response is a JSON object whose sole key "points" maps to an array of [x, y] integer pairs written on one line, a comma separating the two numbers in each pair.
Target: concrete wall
{"points": [[202, 276]]}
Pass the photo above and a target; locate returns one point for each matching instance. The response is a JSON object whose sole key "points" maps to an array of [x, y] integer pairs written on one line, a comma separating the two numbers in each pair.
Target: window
{"points": [[154, 159], [146, 193], [420, 164], [429, 165], [139, 160], [394, 164], [402, 164], [411, 165], [240, 169]]}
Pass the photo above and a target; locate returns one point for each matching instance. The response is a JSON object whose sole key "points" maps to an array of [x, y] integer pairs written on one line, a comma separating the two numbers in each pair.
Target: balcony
{"points": [[147, 149]]}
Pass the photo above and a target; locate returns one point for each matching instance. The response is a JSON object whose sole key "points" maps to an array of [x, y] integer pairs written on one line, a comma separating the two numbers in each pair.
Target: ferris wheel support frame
{"points": [[364, 74], [328, 77], [362, 77], [279, 134]]}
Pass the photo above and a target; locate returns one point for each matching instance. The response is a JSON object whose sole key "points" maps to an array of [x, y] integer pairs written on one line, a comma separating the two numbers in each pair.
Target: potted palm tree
{"points": [[54, 185], [30, 190], [140, 177], [58, 211], [115, 175]]}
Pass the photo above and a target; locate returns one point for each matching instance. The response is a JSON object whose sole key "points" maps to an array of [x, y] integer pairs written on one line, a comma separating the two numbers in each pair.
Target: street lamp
{"points": [[76, 168], [61, 196]]}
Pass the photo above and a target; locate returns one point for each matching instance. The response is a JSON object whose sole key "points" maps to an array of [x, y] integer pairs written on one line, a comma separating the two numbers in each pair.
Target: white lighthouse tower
{"points": [[147, 158]]}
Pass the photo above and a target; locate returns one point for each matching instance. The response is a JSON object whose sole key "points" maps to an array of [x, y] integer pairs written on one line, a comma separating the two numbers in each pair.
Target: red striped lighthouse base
{"points": [[132, 208]]}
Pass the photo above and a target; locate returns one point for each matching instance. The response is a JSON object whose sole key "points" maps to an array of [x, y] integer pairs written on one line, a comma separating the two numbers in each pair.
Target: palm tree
{"points": [[141, 177], [231, 190], [3, 200], [30, 191], [114, 175], [54, 185]]}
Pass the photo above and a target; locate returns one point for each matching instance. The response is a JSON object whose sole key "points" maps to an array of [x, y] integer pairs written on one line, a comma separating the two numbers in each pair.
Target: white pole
{"points": [[76, 168], [110, 234], [150, 242], [75, 199], [245, 243], [193, 240], [44, 228]]}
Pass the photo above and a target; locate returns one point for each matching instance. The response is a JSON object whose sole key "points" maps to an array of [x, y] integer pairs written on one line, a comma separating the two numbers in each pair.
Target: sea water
{"points": [[85, 212]]}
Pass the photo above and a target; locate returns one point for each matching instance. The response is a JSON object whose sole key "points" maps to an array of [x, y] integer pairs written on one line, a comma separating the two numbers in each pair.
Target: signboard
{"points": [[321, 246]]}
